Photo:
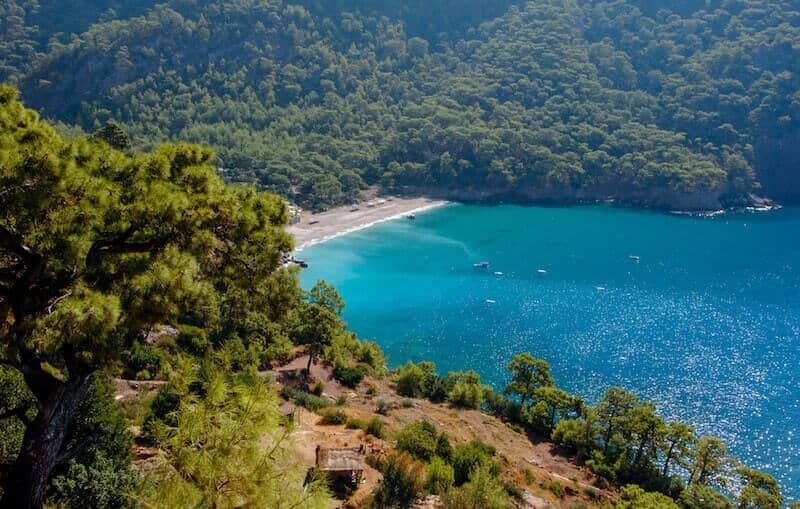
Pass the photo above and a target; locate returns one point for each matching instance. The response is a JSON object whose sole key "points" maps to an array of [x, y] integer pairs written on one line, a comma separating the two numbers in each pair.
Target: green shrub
{"points": [[370, 354], [483, 490], [371, 390], [279, 349], [193, 340], [353, 423], [306, 400], [101, 484], [529, 477], [464, 389], [349, 376], [403, 483], [334, 417], [555, 488], [382, 407], [414, 380], [421, 440], [375, 427], [439, 476], [468, 457], [318, 389], [143, 360]]}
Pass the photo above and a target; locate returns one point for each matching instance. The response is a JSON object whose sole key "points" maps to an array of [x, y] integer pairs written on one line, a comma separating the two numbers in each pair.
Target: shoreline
{"points": [[313, 229], [317, 228]]}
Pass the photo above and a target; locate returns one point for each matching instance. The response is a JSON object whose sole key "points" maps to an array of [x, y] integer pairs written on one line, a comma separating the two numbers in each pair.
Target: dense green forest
{"points": [[686, 104]]}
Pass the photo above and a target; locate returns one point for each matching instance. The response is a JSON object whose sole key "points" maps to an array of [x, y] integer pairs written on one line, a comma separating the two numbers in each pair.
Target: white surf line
{"points": [[418, 210]]}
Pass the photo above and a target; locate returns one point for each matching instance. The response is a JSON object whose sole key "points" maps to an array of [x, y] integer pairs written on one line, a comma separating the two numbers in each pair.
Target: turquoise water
{"points": [[706, 324]]}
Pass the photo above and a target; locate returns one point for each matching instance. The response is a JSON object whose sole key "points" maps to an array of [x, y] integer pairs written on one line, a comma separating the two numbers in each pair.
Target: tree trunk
{"points": [[27, 482], [668, 459], [310, 360]]}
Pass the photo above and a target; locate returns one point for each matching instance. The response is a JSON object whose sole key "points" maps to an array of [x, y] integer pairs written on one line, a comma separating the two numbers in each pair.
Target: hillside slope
{"points": [[678, 107]]}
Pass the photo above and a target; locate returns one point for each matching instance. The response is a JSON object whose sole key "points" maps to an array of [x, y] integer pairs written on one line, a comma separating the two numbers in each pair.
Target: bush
{"points": [[99, 475], [143, 358], [102, 484], [634, 497], [555, 488], [402, 484], [306, 400], [482, 490], [421, 440], [318, 389], [370, 353], [279, 350], [466, 395], [239, 357], [468, 457], [371, 390], [703, 497], [439, 476], [375, 427], [382, 407], [193, 340], [414, 380], [349, 376], [335, 418], [529, 477], [466, 390]]}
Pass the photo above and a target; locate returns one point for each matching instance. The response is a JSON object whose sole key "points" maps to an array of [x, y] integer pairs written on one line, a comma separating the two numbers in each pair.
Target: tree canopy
{"points": [[688, 105]]}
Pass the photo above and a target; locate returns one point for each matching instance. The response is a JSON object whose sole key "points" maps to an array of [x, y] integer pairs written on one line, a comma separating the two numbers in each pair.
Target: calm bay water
{"points": [[706, 324]]}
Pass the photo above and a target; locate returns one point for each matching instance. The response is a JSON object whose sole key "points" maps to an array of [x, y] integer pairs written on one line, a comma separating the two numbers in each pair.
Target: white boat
{"points": [[491, 301], [498, 273], [481, 265], [635, 258], [600, 288], [541, 271]]}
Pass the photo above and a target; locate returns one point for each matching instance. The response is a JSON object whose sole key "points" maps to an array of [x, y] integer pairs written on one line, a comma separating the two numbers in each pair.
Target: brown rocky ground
{"points": [[518, 453]]}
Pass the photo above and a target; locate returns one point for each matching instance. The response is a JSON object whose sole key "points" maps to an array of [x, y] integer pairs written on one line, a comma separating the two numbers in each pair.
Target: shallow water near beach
{"points": [[706, 323]]}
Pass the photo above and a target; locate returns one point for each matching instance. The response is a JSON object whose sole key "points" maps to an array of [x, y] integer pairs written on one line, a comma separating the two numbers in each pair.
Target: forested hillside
{"points": [[687, 104]]}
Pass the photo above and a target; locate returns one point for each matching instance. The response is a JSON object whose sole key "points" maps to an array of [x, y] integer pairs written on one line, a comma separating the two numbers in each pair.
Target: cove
{"points": [[700, 315]]}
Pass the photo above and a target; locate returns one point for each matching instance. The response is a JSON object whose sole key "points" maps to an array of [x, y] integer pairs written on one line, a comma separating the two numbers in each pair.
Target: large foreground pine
{"points": [[95, 246]]}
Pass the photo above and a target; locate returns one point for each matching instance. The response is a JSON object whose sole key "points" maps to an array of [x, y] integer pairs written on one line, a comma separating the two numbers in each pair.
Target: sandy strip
{"points": [[316, 228]]}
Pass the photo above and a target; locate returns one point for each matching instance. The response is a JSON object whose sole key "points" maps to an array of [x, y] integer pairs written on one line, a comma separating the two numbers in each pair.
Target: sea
{"points": [[700, 315]]}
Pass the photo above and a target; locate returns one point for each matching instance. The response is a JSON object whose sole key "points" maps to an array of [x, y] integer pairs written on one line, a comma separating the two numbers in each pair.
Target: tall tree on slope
{"points": [[95, 247]]}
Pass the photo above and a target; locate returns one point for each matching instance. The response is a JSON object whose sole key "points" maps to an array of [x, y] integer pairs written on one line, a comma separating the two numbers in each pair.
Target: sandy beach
{"points": [[315, 228]]}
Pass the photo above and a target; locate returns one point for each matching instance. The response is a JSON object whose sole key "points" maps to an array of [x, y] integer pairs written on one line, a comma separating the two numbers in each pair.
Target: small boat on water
{"points": [[498, 274], [481, 265], [491, 301], [600, 288], [635, 258], [541, 271]]}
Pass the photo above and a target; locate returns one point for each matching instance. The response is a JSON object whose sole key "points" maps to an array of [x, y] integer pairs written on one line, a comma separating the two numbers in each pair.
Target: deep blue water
{"points": [[706, 324]]}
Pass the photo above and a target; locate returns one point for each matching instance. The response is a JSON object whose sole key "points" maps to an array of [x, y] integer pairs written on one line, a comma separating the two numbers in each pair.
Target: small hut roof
{"points": [[340, 460]]}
